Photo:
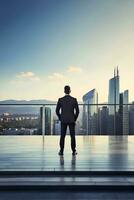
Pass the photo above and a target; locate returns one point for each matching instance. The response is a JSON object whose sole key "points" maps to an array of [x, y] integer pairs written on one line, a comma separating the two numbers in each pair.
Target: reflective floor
{"points": [[94, 153]]}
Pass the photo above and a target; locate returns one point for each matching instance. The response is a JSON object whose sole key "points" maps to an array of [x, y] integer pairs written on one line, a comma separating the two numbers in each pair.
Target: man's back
{"points": [[69, 109]]}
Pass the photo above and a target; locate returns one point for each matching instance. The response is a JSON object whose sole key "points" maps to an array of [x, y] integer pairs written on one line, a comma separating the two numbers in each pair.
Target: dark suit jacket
{"points": [[67, 109]]}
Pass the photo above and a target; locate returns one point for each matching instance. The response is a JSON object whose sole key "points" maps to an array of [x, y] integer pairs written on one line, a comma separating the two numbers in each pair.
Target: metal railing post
{"points": [[88, 119], [43, 121], [115, 119]]}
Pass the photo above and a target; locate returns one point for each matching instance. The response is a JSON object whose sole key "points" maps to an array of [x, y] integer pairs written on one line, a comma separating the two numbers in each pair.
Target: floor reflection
{"points": [[61, 162], [72, 163], [94, 153], [43, 154], [118, 152]]}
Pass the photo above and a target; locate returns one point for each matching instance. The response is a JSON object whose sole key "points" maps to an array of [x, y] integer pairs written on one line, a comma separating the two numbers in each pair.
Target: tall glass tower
{"points": [[47, 121], [90, 112], [125, 113], [113, 98], [114, 92], [45, 117]]}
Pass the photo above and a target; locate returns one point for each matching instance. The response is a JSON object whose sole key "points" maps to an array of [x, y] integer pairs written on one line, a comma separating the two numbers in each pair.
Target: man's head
{"points": [[67, 89]]}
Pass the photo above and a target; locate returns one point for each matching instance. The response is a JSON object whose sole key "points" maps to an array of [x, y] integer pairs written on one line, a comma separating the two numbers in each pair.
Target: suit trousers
{"points": [[63, 134]]}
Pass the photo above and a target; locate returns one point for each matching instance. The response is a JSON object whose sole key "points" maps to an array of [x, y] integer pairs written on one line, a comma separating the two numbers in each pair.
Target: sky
{"points": [[46, 44]]}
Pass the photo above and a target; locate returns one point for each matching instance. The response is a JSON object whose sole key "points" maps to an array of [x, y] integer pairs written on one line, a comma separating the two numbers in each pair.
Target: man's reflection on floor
{"points": [[62, 162], [72, 163], [71, 167]]}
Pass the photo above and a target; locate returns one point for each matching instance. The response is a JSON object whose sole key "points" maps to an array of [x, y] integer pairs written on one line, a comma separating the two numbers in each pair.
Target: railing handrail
{"points": [[54, 104]]}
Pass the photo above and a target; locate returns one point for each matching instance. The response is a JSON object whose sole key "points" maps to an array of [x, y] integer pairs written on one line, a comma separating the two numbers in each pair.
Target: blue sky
{"points": [[46, 44]]}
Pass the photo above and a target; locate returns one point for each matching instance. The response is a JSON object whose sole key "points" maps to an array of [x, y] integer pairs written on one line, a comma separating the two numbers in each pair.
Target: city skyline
{"points": [[45, 45]]}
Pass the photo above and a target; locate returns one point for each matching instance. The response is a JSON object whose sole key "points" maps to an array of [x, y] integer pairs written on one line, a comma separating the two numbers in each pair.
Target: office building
{"points": [[113, 98], [103, 120], [45, 117], [114, 91], [131, 119], [125, 113], [90, 112], [56, 127]]}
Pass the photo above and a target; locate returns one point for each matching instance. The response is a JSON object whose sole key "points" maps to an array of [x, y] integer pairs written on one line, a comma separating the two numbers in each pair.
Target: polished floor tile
{"points": [[94, 153]]}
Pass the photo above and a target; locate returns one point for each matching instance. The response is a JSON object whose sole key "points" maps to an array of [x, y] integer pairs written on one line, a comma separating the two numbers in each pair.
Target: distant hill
{"points": [[38, 101], [23, 109]]}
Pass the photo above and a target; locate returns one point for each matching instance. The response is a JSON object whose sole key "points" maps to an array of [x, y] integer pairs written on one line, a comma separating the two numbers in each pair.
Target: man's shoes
{"points": [[60, 153], [74, 153]]}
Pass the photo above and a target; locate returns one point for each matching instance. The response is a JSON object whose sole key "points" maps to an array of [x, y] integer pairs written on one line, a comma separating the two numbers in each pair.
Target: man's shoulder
{"points": [[66, 97], [61, 98], [73, 98]]}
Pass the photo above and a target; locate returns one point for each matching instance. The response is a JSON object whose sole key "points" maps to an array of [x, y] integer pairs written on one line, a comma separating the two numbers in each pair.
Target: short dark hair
{"points": [[67, 89]]}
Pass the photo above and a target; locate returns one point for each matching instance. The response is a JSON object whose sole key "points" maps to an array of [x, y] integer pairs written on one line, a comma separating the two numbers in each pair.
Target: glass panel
{"points": [[20, 120], [106, 119]]}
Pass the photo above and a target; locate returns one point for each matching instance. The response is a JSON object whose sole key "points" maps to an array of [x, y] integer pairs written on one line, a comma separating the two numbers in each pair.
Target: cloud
{"points": [[64, 77], [56, 76], [27, 76], [74, 69]]}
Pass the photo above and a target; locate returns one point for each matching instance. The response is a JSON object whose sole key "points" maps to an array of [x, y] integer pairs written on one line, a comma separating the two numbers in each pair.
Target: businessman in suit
{"points": [[67, 110]]}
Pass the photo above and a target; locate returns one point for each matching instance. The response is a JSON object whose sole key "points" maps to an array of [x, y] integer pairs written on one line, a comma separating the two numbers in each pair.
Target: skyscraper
{"points": [[118, 122], [131, 119], [90, 112], [46, 119], [125, 113], [122, 117], [56, 127], [113, 98], [114, 90], [119, 117], [104, 120]]}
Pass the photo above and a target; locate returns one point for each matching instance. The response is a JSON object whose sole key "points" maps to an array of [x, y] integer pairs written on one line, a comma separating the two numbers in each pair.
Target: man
{"points": [[67, 111]]}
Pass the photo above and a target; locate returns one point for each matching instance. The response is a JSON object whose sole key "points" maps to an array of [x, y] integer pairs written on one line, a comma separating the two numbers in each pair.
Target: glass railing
{"points": [[41, 119]]}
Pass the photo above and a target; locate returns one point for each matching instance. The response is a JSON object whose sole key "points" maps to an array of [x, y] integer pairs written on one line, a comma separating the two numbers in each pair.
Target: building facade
{"points": [[90, 113]]}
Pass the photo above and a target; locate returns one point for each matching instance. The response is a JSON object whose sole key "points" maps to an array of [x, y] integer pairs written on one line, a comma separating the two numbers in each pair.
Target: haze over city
{"points": [[47, 44]]}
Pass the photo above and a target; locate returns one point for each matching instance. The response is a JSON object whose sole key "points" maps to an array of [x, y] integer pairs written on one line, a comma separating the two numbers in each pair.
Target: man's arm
{"points": [[58, 107], [77, 110]]}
